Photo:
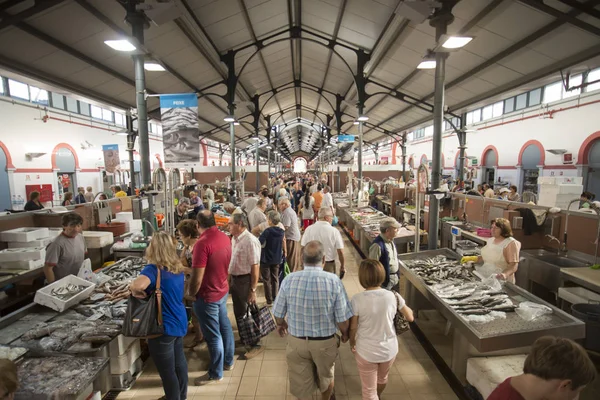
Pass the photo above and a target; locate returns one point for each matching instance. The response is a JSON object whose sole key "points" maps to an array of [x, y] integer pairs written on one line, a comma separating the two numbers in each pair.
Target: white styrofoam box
{"points": [[30, 264], [43, 296], [124, 216], [561, 189], [24, 234], [486, 373], [135, 225], [126, 380], [560, 180], [97, 239], [34, 243], [23, 254], [121, 364], [120, 344], [54, 232]]}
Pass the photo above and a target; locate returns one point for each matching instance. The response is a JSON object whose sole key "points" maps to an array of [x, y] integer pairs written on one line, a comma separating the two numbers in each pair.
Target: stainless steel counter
{"points": [[508, 336]]}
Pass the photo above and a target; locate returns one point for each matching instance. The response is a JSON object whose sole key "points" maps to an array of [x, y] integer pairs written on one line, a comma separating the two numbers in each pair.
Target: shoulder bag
{"points": [[143, 317], [400, 323]]}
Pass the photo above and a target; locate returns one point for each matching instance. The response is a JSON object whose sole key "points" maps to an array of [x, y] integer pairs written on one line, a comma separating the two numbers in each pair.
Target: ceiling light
{"points": [[122, 133], [362, 118], [455, 42], [236, 123], [328, 146], [229, 118], [120, 45], [356, 123], [269, 147], [153, 66], [255, 138], [428, 61]]}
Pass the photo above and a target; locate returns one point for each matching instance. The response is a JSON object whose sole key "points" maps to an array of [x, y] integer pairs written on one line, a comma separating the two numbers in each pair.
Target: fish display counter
{"points": [[462, 315], [89, 329]]}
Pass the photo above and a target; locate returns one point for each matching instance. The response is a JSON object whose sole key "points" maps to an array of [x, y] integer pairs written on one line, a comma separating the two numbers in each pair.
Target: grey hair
{"points": [[274, 217], [184, 200], [328, 188], [261, 202], [325, 212], [313, 252], [285, 200], [228, 205], [240, 219], [387, 224]]}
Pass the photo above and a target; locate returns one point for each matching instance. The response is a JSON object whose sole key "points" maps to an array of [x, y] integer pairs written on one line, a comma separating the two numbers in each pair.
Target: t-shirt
{"points": [[318, 200], [173, 310], [330, 238], [66, 254], [213, 252], [376, 339], [298, 194], [249, 204], [289, 219], [271, 241], [505, 391], [32, 206], [256, 217], [307, 210], [327, 201], [121, 194]]}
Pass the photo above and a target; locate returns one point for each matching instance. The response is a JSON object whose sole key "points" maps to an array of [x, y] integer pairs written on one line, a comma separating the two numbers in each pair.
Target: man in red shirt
{"points": [[208, 284], [555, 369]]}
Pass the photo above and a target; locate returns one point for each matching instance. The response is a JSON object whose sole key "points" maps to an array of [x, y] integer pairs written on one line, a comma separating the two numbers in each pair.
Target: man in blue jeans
{"points": [[208, 284]]}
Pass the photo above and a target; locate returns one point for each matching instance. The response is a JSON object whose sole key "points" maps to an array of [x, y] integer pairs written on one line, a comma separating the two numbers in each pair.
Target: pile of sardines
{"points": [[474, 298], [67, 291], [440, 269]]}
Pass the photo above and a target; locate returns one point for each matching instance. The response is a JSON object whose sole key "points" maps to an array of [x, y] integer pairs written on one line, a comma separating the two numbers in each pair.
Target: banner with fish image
{"points": [[181, 136], [346, 147]]}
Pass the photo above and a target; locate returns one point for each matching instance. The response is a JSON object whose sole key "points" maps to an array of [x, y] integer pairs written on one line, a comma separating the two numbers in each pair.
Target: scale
{"points": [[463, 247]]}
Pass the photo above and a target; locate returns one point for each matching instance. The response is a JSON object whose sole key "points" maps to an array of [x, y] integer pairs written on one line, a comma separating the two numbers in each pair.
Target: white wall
{"points": [[562, 125], [22, 131]]}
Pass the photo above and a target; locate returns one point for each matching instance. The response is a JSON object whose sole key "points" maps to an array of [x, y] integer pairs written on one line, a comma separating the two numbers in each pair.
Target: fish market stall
{"points": [[81, 319], [474, 317], [341, 202]]}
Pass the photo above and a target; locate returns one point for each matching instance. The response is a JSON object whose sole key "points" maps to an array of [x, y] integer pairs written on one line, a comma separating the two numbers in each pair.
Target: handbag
{"points": [[143, 317], [286, 269], [255, 324], [400, 323]]}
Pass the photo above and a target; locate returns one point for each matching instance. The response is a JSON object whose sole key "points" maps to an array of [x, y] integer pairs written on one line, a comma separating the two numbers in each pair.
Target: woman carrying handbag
{"points": [[373, 337], [163, 277]]}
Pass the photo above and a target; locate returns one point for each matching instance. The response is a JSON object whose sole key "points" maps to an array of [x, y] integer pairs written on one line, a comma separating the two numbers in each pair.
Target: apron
{"points": [[493, 259]]}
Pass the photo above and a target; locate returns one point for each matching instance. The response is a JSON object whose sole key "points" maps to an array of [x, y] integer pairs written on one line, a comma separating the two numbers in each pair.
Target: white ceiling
{"points": [[63, 41]]}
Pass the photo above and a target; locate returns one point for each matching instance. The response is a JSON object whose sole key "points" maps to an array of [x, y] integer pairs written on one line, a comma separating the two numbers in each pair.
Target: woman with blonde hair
{"points": [[166, 350], [372, 334]]}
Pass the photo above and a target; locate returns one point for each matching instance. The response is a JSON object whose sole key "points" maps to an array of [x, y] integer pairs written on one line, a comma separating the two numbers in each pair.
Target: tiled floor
{"points": [[413, 376]]}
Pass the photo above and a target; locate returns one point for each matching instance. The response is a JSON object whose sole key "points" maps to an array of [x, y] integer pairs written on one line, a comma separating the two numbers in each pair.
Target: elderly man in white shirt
{"points": [[289, 219], [257, 215], [244, 270], [329, 237], [327, 201]]}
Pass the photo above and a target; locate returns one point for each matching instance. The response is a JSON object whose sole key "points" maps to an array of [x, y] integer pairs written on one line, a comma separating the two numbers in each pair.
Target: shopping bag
{"points": [[401, 325], [286, 269], [143, 317], [85, 272], [255, 324]]}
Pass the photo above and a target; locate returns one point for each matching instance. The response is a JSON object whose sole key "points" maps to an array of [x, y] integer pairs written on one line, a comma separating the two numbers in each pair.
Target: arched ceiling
{"points": [[517, 43]]}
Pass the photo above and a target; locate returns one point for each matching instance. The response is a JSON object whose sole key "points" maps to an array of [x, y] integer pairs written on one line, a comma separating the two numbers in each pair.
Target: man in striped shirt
{"points": [[316, 305]]}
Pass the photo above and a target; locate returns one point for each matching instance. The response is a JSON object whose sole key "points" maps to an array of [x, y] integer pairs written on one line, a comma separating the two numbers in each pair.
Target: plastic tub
{"points": [[590, 314]]}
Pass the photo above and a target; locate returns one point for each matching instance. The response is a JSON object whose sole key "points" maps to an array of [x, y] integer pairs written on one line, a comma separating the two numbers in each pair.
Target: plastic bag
{"points": [[85, 272], [530, 311], [493, 283]]}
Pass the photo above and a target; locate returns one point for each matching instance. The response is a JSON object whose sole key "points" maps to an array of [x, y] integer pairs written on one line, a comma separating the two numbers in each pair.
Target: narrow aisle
{"points": [[413, 376]]}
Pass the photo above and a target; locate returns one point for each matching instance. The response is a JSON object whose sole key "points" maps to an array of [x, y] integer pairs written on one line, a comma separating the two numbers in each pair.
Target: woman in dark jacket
{"points": [[272, 241], [34, 202]]}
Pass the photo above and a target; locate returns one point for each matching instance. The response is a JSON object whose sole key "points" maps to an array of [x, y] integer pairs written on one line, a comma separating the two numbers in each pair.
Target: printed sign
{"points": [[111, 157], [346, 138], [181, 136]]}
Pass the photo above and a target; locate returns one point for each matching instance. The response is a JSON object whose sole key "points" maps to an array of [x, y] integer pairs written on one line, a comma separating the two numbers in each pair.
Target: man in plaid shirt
{"points": [[316, 305], [244, 269]]}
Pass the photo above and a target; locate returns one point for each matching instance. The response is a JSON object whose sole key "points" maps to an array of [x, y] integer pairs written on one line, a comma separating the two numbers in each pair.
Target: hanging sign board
{"points": [[181, 136], [473, 162], [346, 138], [111, 157]]}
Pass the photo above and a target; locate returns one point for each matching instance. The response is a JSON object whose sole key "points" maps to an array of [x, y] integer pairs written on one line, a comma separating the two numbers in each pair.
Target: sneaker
{"points": [[253, 352], [206, 380], [228, 367]]}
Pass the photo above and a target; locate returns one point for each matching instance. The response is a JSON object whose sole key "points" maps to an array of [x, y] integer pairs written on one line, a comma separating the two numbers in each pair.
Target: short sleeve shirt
{"points": [[505, 391], [289, 219], [66, 254], [246, 253], [330, 238], [212, 251], [256, 217]]}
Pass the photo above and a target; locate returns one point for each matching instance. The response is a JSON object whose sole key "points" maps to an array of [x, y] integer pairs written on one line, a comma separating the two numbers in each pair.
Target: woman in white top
{"points": [[307, 210], [372, 335]]}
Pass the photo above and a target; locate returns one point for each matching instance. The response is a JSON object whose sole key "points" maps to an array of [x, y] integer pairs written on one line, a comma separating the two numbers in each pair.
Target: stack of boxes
{"points": [[26, 247], [559, 191]]}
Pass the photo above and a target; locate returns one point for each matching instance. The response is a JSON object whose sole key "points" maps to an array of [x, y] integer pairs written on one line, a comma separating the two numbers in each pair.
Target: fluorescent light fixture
{"points": [[427, 63], [455, 42], [362, 118], [229, 118], [153, 66], [355, 123], [328, 146], [122, 133], [269, 147], [236, 123], [120, 45], [255, 138]]}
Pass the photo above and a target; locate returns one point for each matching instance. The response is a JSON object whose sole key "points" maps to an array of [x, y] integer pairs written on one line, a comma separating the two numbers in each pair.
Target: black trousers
{"points": [[270, 277]]}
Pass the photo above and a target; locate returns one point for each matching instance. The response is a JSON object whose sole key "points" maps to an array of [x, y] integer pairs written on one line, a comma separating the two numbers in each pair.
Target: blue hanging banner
{"points": [[346, 138], [181, 136]]}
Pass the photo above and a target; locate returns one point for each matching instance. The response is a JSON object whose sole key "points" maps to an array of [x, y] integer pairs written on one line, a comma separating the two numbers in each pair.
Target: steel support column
{"points": [[403, 148], [462, 147], [138, 23], [440, 21], [130, 148]]}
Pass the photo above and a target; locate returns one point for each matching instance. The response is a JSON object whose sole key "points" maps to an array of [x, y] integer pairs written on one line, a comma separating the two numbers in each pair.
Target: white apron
{"points": [[493, 259]]}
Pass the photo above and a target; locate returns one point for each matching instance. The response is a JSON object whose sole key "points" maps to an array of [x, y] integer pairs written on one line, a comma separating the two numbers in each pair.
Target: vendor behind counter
{"points": [[66, 253]]}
